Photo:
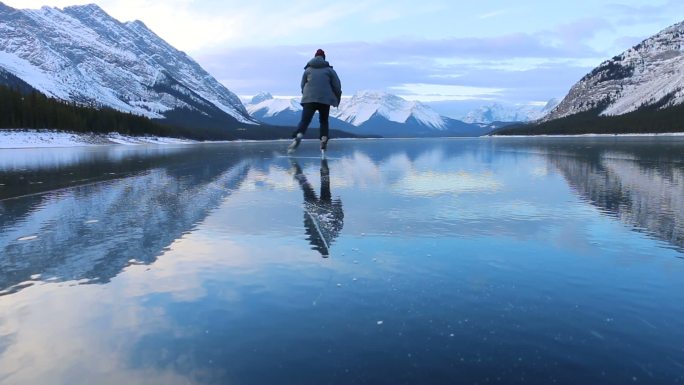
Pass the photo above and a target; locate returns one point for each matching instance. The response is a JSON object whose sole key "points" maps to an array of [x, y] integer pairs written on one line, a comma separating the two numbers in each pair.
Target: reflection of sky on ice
{"points": [[450, 250], [427, 184]]}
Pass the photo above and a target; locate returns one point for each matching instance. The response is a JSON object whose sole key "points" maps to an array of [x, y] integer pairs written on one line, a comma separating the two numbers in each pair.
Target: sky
{"points": [[447, 52]]}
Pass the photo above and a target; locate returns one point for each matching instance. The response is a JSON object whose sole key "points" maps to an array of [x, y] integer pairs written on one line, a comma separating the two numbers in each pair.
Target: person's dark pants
{"points": [[307, 115]]}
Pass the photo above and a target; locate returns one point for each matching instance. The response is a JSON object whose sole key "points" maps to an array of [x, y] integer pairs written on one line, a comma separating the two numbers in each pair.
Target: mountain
{"points": [[365, 105], [265, 108], [284, 112], [388, 115], [650, 74], [81, 54], [498, 112], [368, 113]]}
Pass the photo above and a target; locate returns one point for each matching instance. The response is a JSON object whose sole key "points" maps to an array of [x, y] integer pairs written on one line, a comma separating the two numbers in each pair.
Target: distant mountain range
{"points": [[369, 113], [502, 112], [81, 54]]}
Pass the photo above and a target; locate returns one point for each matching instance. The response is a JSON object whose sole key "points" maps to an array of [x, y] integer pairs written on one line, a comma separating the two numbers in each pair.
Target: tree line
{"points": [[34, 110], [649, 119]]}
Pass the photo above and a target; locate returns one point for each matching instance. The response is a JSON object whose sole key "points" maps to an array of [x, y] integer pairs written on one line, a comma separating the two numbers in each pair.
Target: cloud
{"points": [[492, 14], [437, 92], [255, 46], [458, 68], [649, 13]]}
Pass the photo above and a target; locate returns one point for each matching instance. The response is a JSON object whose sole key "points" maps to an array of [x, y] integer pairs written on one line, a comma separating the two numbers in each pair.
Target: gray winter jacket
{"points": [[320, 83]]}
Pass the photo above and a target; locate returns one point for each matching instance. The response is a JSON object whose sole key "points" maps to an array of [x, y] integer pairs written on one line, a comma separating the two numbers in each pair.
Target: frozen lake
{"points": [[442, 261]]}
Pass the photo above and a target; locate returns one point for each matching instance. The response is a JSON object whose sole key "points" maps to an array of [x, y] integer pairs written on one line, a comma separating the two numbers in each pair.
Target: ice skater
{"points": [[321, 88]]}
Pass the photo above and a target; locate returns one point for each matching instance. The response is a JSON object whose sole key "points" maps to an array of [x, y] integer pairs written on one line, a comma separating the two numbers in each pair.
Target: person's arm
{"points": [[336, 86], [305, 78]]}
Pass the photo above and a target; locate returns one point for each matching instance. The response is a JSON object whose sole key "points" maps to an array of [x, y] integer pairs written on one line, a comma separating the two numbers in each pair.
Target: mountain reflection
{"points": [[91, 232], [642, 186], [84, 215]]}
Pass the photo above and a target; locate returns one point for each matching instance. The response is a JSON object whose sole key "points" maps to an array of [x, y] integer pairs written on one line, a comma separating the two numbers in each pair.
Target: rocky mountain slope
{"points": [[83, 55], [650, 74]]}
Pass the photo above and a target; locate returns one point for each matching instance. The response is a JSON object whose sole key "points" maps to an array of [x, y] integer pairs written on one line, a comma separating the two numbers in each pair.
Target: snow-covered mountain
{"points": [[648, 74], [82, 54], [388, 115], [499, 112], [285, 112], [365, 105], [264, 107], [368, 113]]}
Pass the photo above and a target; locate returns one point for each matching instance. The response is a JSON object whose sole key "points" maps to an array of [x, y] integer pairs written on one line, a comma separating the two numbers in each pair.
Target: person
{"points": [[321, 88], [323, 216]]}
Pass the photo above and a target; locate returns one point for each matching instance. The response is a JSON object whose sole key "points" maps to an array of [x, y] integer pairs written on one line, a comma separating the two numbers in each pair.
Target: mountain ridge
{"points": [[502, 112], [649, 73], [81, 54], [367, 112]]}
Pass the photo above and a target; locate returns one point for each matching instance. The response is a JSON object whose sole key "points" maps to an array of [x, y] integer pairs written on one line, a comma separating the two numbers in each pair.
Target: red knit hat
{"points": [[320, 52]]}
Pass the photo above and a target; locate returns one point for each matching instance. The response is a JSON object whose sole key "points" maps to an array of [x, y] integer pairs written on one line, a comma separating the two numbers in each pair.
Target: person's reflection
{"points": [[323, 217]]}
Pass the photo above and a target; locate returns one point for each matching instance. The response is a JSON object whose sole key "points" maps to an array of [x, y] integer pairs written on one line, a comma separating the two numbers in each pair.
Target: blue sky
{"points": [[430, 50]]}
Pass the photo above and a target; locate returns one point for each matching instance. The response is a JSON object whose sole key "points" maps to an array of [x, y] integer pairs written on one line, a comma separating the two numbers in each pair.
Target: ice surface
{"points": [[204, 256]]}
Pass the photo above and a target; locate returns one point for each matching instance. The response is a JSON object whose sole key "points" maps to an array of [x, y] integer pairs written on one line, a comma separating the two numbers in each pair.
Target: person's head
{"points": [[320, 52]]}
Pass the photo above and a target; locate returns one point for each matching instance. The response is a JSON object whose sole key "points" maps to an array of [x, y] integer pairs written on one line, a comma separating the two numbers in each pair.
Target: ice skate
{"points": [[324, 145], [295, 143]]}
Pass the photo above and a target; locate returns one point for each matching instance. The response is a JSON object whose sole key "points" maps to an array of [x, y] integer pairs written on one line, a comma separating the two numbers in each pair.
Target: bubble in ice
{"points": [[380, 322]]}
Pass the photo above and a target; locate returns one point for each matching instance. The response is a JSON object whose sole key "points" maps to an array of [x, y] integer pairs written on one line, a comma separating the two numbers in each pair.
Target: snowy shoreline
{"points": [[18, 138]]}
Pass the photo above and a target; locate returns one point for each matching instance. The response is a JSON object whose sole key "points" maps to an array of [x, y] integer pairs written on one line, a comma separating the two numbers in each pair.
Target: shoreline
{"points": [[587, 135], [31, 139]]}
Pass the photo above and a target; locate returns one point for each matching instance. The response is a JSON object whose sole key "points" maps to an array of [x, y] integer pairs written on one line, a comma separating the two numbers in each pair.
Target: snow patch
{"points": [[47, 138]]}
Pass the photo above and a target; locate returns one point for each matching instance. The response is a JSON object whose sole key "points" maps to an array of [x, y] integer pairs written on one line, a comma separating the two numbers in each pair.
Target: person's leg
{"points": [[323, 116], [309, 109]]}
